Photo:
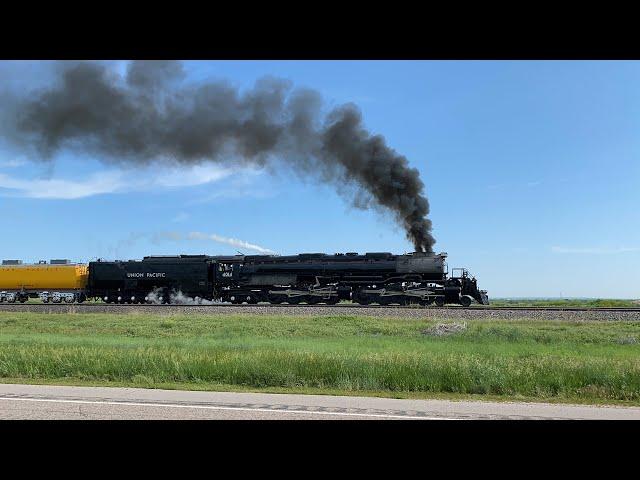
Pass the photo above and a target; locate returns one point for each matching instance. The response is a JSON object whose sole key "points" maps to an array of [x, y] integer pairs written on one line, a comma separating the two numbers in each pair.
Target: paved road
{"points": [[102, 403]]}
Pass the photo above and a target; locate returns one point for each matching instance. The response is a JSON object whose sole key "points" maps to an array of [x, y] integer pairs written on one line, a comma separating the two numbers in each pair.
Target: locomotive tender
{"points": [[312, 278], [57, 282]]}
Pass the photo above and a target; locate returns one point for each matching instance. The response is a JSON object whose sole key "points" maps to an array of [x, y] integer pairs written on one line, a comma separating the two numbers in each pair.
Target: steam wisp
{"points": [[176, 298], [234, 242]]}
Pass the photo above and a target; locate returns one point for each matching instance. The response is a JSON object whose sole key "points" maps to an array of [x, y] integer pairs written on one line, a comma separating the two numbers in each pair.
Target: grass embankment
{"points": [[566, 302], [564, 361]]}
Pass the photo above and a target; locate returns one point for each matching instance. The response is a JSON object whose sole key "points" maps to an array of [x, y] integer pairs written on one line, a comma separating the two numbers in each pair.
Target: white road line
{"points": [[213, 407]]}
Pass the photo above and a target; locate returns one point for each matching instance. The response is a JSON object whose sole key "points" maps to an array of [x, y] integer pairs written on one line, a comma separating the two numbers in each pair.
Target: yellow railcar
{"points": [[63, 282]]}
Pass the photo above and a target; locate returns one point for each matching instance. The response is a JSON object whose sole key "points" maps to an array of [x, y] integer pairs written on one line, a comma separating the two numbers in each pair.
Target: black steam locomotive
{"points": [[312, 278]]}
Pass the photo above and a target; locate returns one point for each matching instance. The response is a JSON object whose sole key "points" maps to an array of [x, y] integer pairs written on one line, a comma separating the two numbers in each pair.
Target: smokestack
{"points": [[150, 115]]}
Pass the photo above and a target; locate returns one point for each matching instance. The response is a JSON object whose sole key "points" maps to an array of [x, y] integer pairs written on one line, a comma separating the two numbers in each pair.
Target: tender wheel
{"points": [[439, 301]]}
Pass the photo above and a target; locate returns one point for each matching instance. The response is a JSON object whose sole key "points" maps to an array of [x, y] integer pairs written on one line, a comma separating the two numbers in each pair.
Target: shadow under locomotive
{"points": [[312, 278]]}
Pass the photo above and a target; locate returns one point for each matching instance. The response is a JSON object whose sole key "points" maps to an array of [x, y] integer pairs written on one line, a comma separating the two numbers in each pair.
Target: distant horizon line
{"points": [[564, 298]]}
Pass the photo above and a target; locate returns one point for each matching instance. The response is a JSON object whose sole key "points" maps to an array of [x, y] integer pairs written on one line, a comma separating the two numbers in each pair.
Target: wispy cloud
{"points": [[114, 181], [595, 250], [108, 182], [514, 185], [238, 185], [14, 163], [190, 176], [180, 217]]}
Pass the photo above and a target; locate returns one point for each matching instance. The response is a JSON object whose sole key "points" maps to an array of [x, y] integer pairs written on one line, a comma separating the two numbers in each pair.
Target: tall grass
{"points": [[566, 302], [534, 376], [545, 360]]}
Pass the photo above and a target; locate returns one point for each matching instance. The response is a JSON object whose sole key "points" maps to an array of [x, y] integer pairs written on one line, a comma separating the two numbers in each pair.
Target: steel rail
{"points": [[343, 306]]}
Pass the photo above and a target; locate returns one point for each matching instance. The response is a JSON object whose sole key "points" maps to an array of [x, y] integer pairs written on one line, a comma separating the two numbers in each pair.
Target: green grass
{"points": [[345, 354], [566, 302]]}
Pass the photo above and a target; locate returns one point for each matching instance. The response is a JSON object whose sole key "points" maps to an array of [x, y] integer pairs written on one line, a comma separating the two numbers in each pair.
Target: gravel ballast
{"points": [[324, 310]]}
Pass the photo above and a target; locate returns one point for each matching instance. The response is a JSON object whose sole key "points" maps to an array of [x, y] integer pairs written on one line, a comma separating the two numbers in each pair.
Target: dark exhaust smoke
{"points": [[151, 115]]}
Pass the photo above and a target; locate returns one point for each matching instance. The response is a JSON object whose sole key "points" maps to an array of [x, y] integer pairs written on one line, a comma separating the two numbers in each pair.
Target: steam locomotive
{"points": [[312, 278]]}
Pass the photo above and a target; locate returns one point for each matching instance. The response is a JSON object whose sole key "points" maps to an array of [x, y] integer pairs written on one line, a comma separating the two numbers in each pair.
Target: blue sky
{"points": [[531, 169]]}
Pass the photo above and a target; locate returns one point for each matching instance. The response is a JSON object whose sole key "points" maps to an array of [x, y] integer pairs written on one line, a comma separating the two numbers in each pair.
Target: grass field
{"points": [[565, 302], [498, 359]]}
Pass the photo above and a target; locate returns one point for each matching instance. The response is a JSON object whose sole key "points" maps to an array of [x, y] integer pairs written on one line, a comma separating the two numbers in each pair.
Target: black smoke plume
{"points": [[150, 114]]}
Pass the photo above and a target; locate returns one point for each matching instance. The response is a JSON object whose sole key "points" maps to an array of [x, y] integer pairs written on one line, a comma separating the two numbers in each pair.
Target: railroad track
{"points": [[337, 307]]}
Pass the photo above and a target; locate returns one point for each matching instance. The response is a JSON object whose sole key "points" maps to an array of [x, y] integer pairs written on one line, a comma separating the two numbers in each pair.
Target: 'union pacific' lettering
{"points": [[148, 275]]}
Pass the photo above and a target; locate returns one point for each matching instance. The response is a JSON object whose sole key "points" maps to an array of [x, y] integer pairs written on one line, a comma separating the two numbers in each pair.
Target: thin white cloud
{"points": [[180, 217], [190, 176], [14, 163], [595, 250], [502, 186], [114, 181], [239, 185], [108, 182]]}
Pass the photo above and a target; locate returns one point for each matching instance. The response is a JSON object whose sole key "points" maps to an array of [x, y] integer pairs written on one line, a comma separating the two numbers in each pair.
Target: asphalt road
{"points": [[105, 403]]}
